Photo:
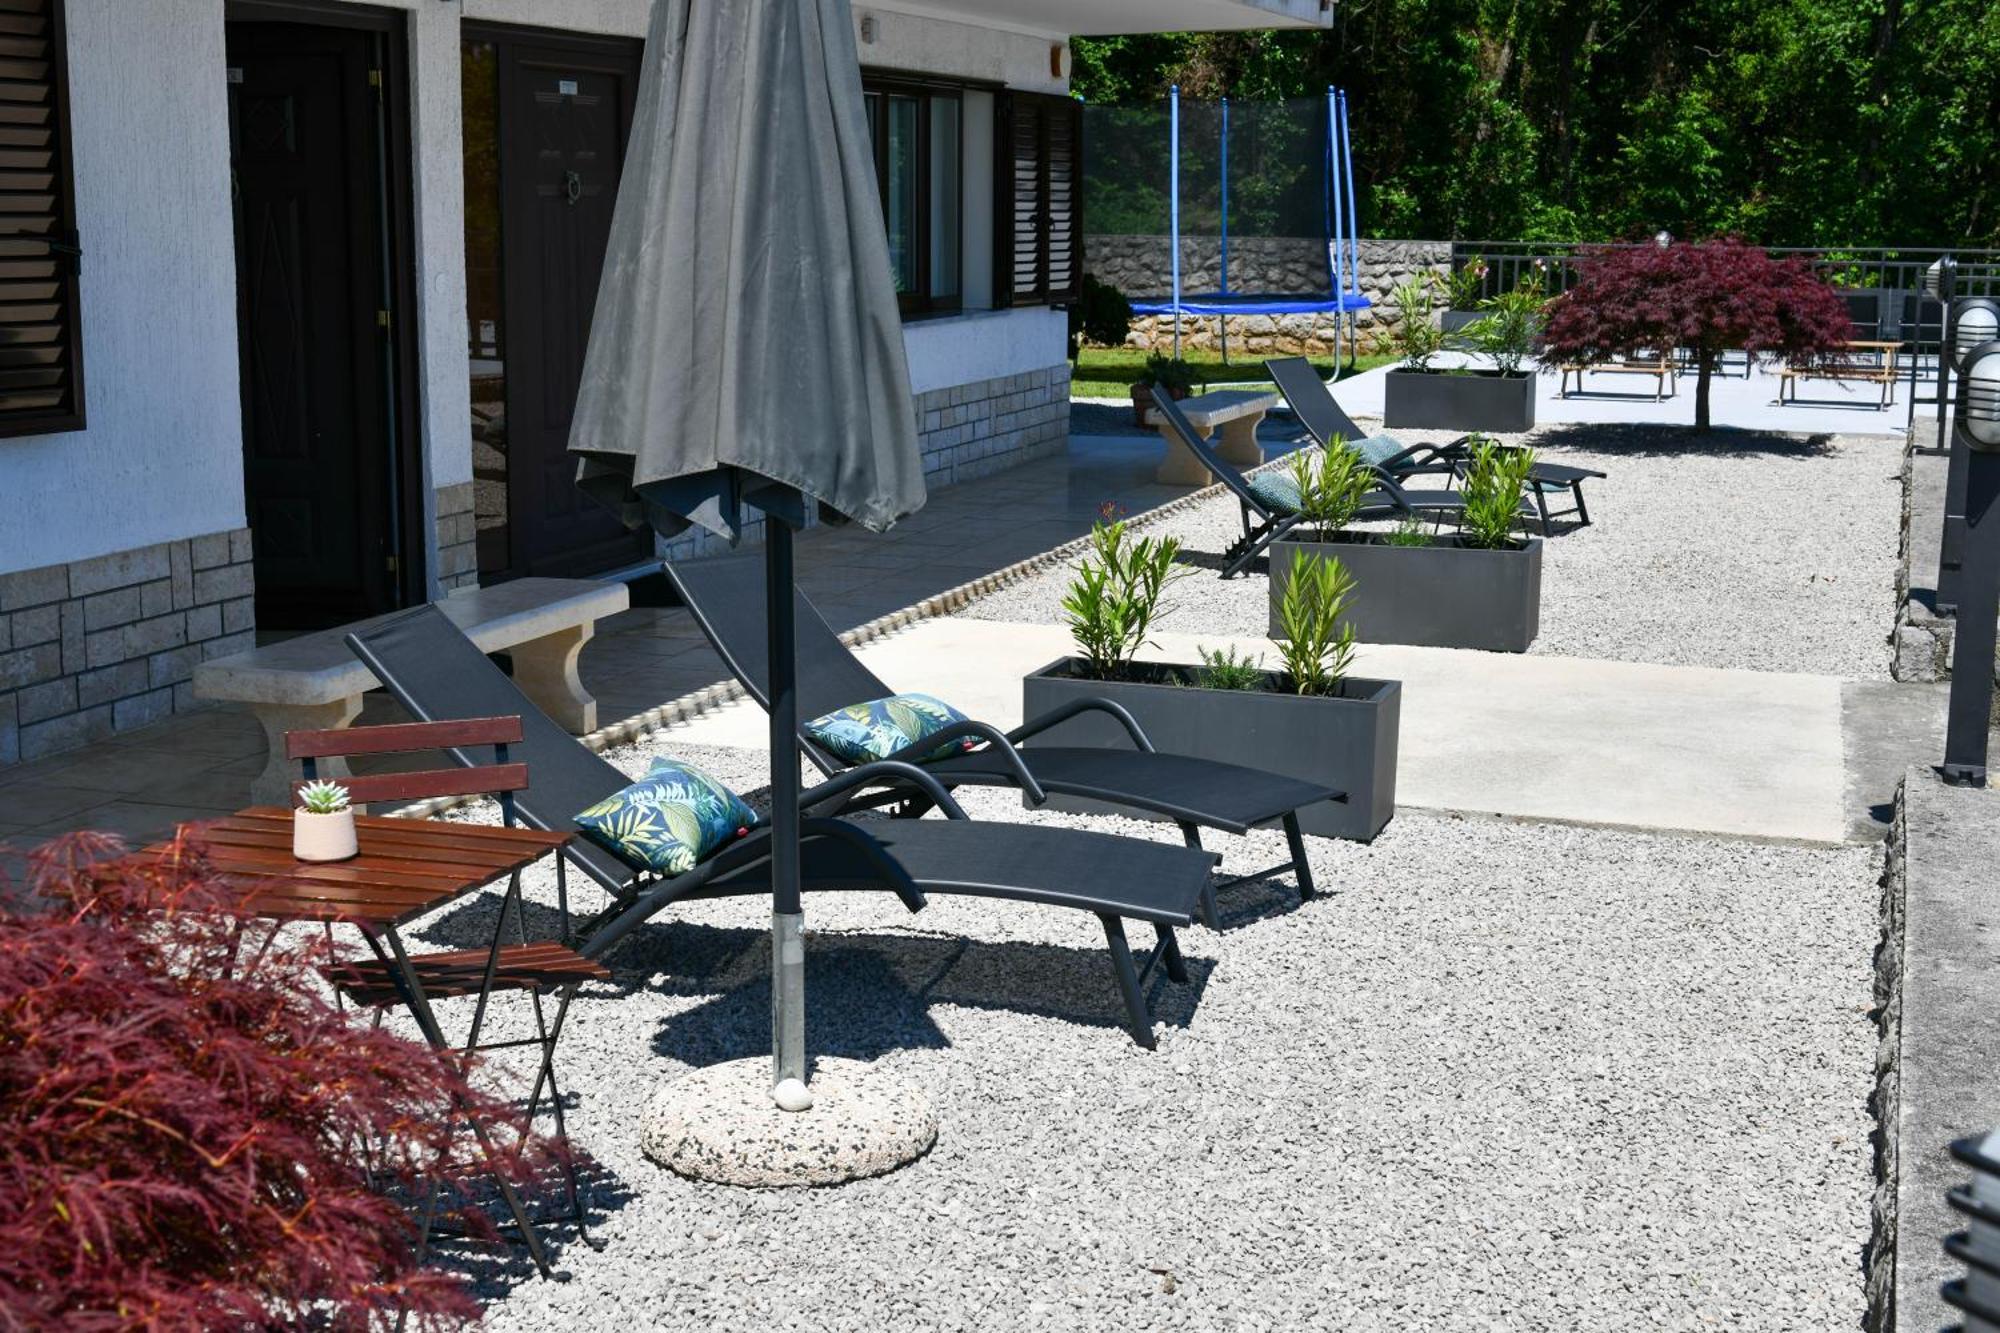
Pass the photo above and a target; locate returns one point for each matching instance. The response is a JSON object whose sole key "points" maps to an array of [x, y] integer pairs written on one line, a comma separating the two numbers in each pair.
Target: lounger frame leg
{"points": [[1139, 1016], [1301, 867], [1211, 915]]}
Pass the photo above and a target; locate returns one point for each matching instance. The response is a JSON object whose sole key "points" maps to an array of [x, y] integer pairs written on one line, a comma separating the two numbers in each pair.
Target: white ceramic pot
{"points": [[323, 837]]}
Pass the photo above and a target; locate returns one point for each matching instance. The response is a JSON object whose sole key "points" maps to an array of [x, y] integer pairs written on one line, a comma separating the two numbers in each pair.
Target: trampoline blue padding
{"points": [[1254, 303]]}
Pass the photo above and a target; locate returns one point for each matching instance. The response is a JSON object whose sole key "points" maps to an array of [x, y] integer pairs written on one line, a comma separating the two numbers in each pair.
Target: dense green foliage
{"points": [[1789, 122]]}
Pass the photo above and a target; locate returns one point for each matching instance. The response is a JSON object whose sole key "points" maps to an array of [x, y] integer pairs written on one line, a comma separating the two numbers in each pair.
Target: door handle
{"points": [[572, 187]]}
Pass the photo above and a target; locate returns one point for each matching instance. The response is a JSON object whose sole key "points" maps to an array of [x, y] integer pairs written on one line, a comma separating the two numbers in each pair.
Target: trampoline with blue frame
{"points": [[1273, 180]]}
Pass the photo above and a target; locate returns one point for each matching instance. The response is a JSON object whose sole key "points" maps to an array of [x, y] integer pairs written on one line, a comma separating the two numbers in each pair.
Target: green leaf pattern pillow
{"points": [[862, 733], [1277, 488], [669, 820]]}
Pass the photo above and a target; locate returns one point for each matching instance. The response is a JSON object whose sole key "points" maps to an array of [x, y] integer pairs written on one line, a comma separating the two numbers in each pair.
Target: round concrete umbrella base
{"points": [[719, 1124]]}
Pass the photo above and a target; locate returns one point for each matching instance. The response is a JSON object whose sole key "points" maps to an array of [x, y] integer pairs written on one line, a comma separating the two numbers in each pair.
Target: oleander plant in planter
{"points": [[1310, 718], [1478, 587], [1499, 396], [1176, 375]]}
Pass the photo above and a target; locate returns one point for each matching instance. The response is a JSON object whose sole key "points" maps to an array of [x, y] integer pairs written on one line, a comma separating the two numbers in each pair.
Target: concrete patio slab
{"points": [[1695, 749], [1835, 408]]}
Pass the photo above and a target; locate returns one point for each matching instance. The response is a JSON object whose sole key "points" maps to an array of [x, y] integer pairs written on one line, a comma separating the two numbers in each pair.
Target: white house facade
{"points": [[293, 296]]}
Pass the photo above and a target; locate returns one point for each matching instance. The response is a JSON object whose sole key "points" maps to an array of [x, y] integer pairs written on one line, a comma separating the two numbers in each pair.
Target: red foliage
{"points": [[1711, 296], [183, 1120]]}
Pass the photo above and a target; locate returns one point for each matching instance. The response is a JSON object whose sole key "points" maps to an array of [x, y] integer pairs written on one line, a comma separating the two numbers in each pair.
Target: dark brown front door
{"points": [[546, 117], [308, 170]]}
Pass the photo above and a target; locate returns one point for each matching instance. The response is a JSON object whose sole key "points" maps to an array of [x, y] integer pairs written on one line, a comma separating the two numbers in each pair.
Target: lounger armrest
{"points": [[884, 772], [917, 751], [893, 874], [1035, 726]]}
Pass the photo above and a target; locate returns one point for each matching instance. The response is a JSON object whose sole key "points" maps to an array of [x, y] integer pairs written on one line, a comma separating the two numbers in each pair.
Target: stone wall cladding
{"points": [[1287, 265], [964, 432], [458, 553], [107, 644]]}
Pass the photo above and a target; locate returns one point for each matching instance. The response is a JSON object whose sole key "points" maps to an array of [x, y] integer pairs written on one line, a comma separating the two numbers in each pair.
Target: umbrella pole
{"points": [[788, 952]]}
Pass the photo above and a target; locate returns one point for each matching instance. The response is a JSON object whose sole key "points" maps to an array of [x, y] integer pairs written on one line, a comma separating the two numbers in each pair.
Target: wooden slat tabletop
{"points": [[406, 867]]}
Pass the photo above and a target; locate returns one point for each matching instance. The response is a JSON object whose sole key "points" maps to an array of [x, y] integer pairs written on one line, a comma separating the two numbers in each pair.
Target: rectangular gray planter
{"points": [[1347, 742], [1482, 400], [1443, 595]]}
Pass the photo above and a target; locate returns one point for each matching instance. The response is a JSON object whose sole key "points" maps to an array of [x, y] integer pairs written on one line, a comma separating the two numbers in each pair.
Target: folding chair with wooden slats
{"points": [[533, 967]]}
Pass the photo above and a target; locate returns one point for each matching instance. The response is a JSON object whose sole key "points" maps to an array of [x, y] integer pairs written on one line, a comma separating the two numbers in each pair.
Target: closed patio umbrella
{"points": [[747, 351]]}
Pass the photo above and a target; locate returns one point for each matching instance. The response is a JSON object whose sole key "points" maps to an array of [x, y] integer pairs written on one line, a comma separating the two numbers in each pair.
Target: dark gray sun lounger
{"points": [[726, 598], [1324, 419], [438, 674], [1266, 518]]}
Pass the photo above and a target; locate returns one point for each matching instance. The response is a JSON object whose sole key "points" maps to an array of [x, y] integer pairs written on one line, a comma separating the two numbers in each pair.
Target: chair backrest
{"points": [[1225, 471], [500, 778], [1312, 402], [727, 596], [440, 675]]}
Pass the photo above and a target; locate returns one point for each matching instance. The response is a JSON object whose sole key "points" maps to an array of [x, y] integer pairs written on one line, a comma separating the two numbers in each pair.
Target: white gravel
{"points": [[1761, 552], [1500, 1076]]}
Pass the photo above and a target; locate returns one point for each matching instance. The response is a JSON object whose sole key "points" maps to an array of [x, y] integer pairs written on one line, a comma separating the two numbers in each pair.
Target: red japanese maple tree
{"points": [[1708, 297], [191, 1135]]}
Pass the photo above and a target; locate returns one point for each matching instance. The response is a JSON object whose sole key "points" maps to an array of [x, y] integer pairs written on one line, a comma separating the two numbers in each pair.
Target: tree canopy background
{"points": [[1788, 122]]}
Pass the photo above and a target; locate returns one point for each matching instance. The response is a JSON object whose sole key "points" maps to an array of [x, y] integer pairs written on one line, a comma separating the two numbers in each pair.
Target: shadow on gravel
{"points": [[494, 1269], [1646, 440]]}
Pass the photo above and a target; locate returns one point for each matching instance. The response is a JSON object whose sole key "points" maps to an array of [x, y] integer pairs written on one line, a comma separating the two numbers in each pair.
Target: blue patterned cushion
{"points": [[862, 733], [1277, 488], [668, 820], [1378, 449]]}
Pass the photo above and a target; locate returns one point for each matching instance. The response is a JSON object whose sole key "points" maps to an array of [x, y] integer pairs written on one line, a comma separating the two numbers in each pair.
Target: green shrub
{"points": [[1417, 338], [1170, 371], [1410, 532], [1494, 484], [1100, 315], [1222, 669], [1331, 483], [1461, 285], [1318, 646], [1512, 323], [1115, 595]]}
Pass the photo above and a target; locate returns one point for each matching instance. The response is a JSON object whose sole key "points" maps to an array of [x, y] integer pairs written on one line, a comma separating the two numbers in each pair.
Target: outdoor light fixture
{"points": [[1977, 1294], [1969, 322], [1976, 432], [1663, 238]]}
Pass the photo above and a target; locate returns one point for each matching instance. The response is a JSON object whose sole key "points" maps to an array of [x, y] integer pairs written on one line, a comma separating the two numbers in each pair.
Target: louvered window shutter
{"points": [[1040, 227], [41, 342]]}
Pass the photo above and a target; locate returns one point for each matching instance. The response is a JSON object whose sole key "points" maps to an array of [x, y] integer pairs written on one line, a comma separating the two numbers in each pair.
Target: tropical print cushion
{"points": [[1277, 488], [668, 820], [1378, 449], [862, 733]]}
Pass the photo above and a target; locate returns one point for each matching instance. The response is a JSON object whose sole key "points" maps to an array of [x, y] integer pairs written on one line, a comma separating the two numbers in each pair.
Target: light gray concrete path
{"points": [[1833, 408], [1746, 753], [1947, 1046]]}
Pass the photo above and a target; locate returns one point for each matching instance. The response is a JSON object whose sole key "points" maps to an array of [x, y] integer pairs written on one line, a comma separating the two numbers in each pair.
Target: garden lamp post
{"points": [[1976, 429], [1940, 285], [1971, 321]]}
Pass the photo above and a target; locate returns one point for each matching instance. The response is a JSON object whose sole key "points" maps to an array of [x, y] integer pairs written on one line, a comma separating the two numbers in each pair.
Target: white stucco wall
{"points": [[162, 457], [983, 345]]}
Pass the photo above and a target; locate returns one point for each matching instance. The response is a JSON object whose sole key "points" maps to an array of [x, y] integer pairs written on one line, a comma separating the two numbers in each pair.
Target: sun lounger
{"points": [[438, 675]]}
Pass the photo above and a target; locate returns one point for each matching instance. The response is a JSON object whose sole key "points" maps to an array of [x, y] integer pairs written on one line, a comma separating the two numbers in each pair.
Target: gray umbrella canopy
{"points": [[746, 329]]}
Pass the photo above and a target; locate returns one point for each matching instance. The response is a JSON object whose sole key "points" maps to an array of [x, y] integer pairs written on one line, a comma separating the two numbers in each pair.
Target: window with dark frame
{"points": [[918, 135], [41, 341]]}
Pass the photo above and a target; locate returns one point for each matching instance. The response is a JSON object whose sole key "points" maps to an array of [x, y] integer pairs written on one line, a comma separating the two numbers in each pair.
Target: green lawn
{"points": [[1108, 372]]}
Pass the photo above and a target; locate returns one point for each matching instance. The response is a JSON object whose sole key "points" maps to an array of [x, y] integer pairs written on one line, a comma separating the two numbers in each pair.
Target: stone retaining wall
{"points": [[108, 644], [1287, 265]]}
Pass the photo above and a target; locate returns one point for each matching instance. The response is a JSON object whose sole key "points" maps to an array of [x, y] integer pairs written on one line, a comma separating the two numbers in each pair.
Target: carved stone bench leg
{"points": [[1180, 467], [1239, 441], [545, 669], [273, 786]]}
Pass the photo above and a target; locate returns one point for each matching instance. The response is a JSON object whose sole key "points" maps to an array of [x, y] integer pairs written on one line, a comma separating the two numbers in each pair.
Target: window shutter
{"points": [[41, 345], [1040, 228]]}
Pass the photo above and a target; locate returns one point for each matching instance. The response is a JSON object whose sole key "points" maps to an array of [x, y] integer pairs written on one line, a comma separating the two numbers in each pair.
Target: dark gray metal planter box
{"points": [[1482, 400], [1347, 742], [1455, 321], [1443, 595]]}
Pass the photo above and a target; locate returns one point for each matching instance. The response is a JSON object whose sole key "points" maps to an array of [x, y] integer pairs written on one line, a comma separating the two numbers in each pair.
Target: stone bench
{"points": [[313, 682], [1235, 412]]}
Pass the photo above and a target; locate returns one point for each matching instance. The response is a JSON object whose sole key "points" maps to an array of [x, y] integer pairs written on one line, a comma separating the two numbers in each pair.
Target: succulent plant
{"points": [[323, 798]]}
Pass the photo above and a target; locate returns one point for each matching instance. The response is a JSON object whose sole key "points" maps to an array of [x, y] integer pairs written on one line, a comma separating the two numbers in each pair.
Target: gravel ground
{"points": [[1502, 1076], [1764, 552]]}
